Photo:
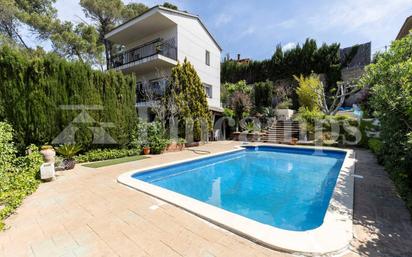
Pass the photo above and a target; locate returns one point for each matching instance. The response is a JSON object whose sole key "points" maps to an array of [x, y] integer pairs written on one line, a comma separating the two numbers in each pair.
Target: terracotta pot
{"points": [[48, 155], [68, 164], [236, 136], [172, 147], [294, 141], [146, 150], [181, 146]]}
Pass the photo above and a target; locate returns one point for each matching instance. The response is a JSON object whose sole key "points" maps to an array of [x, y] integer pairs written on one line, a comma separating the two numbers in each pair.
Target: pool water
{"points": [[288, 188]]}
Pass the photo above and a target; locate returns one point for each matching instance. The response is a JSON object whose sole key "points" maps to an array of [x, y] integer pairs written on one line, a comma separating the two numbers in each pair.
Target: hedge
{"points": [[34, 86], [106, 154], [304, 59], [390, 80]]}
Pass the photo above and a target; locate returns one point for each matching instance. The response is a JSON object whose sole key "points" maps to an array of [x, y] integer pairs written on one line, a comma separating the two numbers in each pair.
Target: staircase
{"points": [[283, 131]]}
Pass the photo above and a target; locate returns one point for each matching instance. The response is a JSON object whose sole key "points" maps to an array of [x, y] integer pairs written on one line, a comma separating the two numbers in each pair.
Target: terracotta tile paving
{"points": [[85, 212]]}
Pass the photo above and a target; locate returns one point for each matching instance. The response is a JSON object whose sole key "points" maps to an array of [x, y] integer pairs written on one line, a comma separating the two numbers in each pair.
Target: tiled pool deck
{"points": [[85, 212]]}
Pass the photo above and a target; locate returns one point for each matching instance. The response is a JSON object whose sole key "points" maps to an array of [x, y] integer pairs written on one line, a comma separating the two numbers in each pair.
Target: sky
{"points": [[254, 28]]}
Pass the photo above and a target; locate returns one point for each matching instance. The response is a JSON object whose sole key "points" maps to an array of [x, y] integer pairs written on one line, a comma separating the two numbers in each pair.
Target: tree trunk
{"points": [[107, 48]]}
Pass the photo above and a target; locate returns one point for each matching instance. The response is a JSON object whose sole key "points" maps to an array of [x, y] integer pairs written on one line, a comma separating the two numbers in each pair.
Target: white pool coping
{"points": [[332, 237]]}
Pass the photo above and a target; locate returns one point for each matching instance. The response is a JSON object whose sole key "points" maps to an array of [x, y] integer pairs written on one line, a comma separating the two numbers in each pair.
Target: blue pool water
{"points": [[288, 188]]}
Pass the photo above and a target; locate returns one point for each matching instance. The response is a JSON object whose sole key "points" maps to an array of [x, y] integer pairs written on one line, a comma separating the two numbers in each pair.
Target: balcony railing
{"points": [[159, 46]]}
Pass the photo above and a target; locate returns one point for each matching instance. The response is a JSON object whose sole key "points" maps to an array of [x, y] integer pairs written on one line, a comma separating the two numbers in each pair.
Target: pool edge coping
{"points": [[332, 237]]}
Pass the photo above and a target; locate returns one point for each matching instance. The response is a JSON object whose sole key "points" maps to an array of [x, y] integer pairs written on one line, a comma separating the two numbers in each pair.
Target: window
{"points": [[208, 90], [158, 87], [207, 58], [150, 89]]}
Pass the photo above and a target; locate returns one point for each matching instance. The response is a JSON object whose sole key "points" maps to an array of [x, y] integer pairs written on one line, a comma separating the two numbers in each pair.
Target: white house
{"points": [[155, 41]]}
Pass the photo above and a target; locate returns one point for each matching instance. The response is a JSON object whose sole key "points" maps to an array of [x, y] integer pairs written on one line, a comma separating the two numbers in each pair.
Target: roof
{"points": [[406, 27], [160, 7]]}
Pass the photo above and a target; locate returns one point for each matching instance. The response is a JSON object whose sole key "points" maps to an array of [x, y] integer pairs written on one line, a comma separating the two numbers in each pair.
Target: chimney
{"points": [[238, 57]]}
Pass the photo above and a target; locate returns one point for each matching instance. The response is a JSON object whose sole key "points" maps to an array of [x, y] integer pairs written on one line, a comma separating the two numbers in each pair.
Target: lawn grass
{"points": [[105, 163]]}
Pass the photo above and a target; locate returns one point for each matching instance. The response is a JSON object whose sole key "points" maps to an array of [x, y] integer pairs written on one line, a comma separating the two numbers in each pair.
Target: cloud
{"points": [[248, 31], [286, 24], [222, 19], [357, 15], [288, 46]]}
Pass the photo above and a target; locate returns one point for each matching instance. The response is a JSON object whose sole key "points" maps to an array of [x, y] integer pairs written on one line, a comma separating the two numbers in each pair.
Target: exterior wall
{"points": [[193, 41], [165, 34], [353, 73], [160, 73]]}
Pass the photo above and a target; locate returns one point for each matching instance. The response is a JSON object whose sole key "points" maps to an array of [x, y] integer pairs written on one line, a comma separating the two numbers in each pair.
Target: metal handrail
{"points": [[159, 46]]}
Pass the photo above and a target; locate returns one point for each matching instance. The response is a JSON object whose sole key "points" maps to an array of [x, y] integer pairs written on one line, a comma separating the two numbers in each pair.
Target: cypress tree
{"points": [[188, 93], [33, 86]]}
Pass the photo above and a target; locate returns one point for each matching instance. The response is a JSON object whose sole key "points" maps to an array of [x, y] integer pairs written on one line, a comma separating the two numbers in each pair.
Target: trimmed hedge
{"points": [[106, 154], [304, 59], [33, 86]]}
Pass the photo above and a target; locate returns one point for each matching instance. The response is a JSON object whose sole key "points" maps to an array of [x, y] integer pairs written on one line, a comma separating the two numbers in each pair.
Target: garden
{"points": [[43, 94], [50, 105], [305, 78], [313, 88]]}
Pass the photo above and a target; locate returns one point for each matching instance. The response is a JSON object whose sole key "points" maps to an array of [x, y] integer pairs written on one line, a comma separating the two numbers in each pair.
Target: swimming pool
{"points": [[288, 189]]}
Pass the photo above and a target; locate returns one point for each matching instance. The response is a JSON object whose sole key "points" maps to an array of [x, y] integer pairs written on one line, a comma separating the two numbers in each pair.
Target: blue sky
{"points": [[254, 28]]}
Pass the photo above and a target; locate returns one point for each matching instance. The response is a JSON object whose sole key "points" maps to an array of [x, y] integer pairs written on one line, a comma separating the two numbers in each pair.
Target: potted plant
{"points": [[146, 149], [282, 110], [158, 145], [172, 146], [294, 141], [181, 143], [68, 152], [48, 153]]}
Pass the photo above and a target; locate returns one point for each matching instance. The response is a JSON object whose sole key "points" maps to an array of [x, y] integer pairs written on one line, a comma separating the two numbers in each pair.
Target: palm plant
{"points": [[68, 152]]}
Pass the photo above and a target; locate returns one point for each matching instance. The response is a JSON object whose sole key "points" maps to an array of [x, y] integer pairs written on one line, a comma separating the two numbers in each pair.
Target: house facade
{"points": [[151, 44]]}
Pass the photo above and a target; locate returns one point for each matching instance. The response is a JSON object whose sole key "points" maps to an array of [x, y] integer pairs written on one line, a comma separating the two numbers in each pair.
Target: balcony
{"points": [[156, 53]]}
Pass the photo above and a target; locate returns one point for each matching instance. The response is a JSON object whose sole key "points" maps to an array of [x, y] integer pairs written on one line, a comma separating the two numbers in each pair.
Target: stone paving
{"points": [[85, 212], [382, 224]]}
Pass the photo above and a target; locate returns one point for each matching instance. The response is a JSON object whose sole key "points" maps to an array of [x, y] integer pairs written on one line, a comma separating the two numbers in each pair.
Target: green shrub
{"points": [[309, 117], [227, 112], [375, 145], [18, 175], [391, 100], [286, 104], [106, 154], [346, 123], [348, 127], [150, 134], [227, 90], [308, 90], [158, 145], [364, 127]]}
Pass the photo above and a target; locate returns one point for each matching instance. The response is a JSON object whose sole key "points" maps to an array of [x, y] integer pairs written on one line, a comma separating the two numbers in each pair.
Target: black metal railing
{"points": [[159, 46]]}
